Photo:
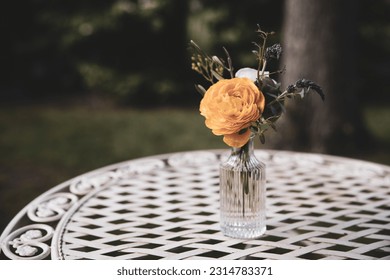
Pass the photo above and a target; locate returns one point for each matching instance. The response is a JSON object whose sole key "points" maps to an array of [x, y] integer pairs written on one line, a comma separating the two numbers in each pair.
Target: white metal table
{"points": [[166, 207]]}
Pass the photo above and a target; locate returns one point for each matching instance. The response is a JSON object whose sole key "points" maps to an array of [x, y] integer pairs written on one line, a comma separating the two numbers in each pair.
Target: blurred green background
{"points": [[88, 83]]}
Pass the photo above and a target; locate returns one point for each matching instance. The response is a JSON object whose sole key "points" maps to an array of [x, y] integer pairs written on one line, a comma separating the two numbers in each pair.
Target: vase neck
{"points": [[247, 149]]}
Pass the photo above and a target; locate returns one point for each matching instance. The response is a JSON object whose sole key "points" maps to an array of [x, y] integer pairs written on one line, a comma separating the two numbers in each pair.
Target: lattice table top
{"points": [[166, 207]]}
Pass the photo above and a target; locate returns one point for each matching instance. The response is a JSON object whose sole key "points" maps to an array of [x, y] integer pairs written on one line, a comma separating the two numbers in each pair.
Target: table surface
{"points": [[166, 207]]}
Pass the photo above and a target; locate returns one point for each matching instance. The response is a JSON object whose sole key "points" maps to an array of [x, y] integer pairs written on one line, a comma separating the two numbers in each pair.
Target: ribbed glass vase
{"points": [[242, 194]]}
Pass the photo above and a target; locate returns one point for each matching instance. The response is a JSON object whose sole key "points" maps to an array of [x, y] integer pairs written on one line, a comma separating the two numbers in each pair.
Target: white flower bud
{"points": [[249, 73]]}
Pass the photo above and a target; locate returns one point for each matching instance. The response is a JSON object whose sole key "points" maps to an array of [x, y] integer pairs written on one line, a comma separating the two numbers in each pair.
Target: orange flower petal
{"points": [[237, 140], [230, 106]]}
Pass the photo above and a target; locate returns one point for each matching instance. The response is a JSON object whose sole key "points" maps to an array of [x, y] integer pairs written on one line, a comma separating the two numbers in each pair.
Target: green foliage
{"points": [[129, 50], [137, 48], [374, 51]]}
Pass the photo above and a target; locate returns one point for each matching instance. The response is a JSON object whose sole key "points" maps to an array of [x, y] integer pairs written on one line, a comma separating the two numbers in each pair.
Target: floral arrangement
{"points": [[246, 102]]}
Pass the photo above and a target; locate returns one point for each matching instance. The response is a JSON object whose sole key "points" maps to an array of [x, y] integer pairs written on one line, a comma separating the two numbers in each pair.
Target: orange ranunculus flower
{"points": [[230, 106]]}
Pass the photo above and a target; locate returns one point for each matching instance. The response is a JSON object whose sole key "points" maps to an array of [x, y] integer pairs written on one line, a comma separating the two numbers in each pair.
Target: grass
{"points": [[377, 120], [79, 138], [41, 147]]}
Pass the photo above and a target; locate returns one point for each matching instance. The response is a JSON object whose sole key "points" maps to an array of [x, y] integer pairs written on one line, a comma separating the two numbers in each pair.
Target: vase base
{"points": [[243, 232]]}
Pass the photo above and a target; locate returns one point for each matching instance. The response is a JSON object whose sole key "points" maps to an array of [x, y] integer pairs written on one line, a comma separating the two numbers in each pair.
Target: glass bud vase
{"points": [[242, 194]]}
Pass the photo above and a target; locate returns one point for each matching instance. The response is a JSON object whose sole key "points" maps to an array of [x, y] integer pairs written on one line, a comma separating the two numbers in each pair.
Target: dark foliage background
{"points": [[135, 51]]}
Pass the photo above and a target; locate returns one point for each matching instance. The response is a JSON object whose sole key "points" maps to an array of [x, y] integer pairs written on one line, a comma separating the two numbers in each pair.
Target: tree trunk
{"points": [[318, 41]]}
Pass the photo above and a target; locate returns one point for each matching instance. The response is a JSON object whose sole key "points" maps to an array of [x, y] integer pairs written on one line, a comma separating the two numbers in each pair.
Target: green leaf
{"points": [[242, 131], [262, 138], [217, 75], [200, 89], [272, 95], [254, 129], [216, 59]]}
